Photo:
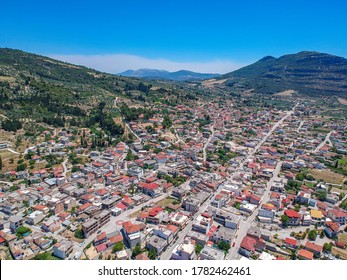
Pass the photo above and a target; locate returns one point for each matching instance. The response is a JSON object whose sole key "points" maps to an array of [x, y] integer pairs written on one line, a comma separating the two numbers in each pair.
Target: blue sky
{"points": [[206, 36]]}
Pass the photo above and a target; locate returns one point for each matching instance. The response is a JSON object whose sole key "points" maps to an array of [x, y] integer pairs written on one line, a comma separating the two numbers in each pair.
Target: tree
{"points": [[322, 195], [198, 248], [22, 231], [222, 245], [300, 177], [118, 247], [130, 156], [327, 247], [285, 220], [152, 254], [79, 234], [21, 167], [312, 235], [167, 122], [136, 251]]}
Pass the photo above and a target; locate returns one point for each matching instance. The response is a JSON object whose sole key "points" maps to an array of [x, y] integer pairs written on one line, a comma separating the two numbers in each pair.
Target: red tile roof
{"points": [[291, 241], [333, 226], [313, 247], [248, 243], [154, 211], [130, 227], [149, 186], [305, 254], [292, 214], [116, 238], [101, 247]]}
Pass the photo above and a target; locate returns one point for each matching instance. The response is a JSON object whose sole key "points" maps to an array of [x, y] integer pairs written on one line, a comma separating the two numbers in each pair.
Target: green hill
{"points": [[309, 73], [39, 89]]}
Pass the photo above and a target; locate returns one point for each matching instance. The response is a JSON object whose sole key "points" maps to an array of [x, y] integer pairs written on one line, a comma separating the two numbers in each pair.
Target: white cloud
{"points": [[116, 63]]}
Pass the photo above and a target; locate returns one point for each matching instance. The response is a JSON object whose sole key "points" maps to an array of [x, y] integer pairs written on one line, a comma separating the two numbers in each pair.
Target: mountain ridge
{"points": [[181, 75], [308, 72]]}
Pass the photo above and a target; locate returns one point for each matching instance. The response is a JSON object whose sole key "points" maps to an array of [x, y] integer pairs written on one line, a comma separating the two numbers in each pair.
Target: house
{"points": [[135, 171], [184, 251], [210, 253], [151, 189], [291, 243], [314, 248], [293, 217], [118, 237], [337, 216], [164, 232], [227, 219], [220, 200], [156, 243], [142, 257], [266, 213], [156, 215], [16, 252], [15, 223], [247, 246], [178, 219], [332, 229], [131, 233], [100, 238], [62, 249], [52, 224], [203, 223], [317, 217], [34, 218], [304, 254]]}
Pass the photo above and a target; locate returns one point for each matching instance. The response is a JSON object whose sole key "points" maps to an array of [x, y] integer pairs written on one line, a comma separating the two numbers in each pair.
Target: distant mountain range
{"points": [[154, 74], [310, 73]]}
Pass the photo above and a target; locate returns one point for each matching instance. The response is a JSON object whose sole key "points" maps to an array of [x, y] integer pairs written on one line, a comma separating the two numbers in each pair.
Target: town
{"points": [[209, 179]]}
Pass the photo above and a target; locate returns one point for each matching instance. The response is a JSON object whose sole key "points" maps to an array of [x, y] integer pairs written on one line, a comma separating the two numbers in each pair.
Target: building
{"points": [[165, 233], [156, 215], [293, 217], [227, 219], [210, 253], [103, 217], [220, 200], [135, 171], [317, 217], [178, 219], [184, 251], [156, 243], [314, 248], [131, 233], [203, 223], [191, 204], [247, 246], [151, 189], [15, 223], [110, 202], [52, 224], [62, 249], [267, 213], [89, 227], [304, 254], [222, 234], [337, 216], [34, 218], [332, 229]]}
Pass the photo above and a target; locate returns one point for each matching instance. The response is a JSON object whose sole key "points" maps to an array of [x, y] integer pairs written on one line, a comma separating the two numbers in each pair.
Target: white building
{"points": [[184, 251]]}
